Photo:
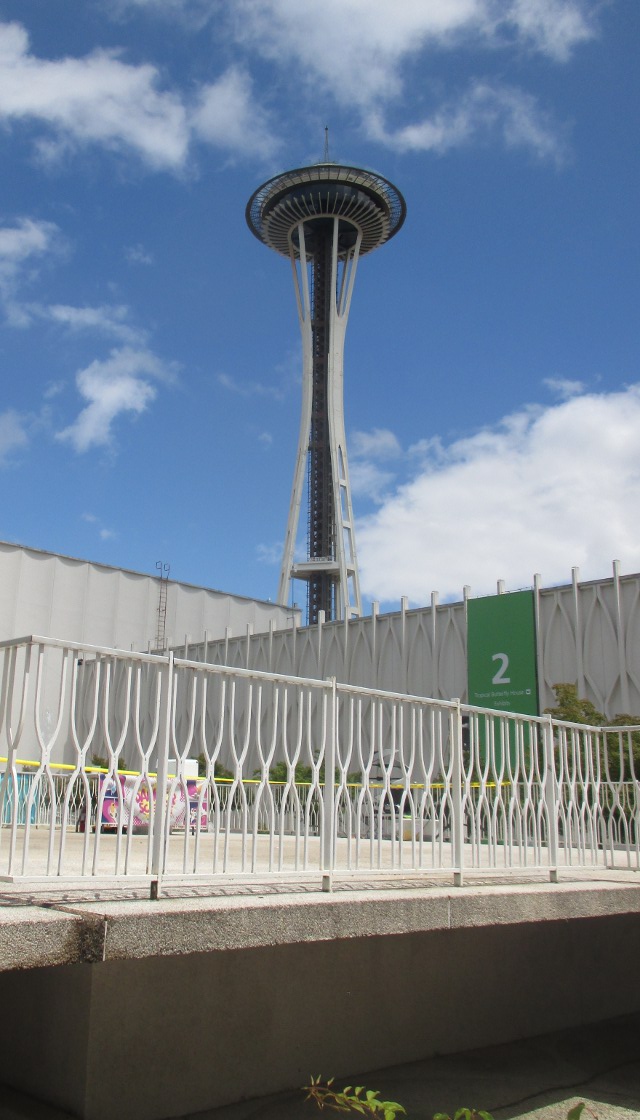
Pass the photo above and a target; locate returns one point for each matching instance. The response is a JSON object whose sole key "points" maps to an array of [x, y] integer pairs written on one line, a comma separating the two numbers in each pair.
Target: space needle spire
{"points": [[324, 218]]}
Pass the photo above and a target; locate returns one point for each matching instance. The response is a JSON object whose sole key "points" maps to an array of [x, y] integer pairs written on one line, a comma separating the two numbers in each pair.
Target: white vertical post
{"points": [[457, 824], [620, 637], [293, 660], [577, 627], [318, 635], [375, 675], [404, 606], [160, 821], [466, 595], [551, 797], [537, 622], [329, 797], [433, 618]]}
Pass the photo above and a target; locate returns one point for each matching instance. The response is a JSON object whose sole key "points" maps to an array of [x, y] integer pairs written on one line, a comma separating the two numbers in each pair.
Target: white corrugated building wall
{"points": [[58, 596]]}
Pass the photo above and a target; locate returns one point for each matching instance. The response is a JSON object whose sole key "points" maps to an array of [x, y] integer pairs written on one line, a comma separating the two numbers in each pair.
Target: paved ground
{"points": [[537, 1079], [50, 891], [69, 853]]}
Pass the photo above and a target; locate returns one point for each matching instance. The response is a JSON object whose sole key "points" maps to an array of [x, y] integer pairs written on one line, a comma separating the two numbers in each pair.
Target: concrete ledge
{"points": [[180, 926], [31, 937], [94, 932], [512, 904]]}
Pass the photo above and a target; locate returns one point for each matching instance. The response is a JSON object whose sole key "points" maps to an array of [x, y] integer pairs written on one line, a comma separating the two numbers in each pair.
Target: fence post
{"points": [[551, 798], [160, 819], [457, 828], [329, 796]]}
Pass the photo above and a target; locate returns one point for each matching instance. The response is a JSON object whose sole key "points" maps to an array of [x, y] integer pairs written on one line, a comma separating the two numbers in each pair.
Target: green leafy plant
{"points": [[575, 709], [219, 771], [303, 775], [367, 1102], [278, 773], [364, 1101], [102, 762], [464, 1114]]}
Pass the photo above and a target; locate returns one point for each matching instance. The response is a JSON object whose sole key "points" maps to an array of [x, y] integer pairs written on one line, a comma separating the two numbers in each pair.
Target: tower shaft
{"points": [[323, 285]]}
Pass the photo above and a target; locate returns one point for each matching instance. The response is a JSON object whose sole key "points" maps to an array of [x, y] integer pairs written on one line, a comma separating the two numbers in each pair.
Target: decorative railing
{"points": [[116, 764]]}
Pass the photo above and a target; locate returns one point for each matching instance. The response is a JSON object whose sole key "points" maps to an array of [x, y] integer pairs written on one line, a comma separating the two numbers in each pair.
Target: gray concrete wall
{"points": [[159, 1036]]}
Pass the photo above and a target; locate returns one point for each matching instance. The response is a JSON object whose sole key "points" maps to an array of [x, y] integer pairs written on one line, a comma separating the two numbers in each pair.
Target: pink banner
{"points": [[133, 803]]}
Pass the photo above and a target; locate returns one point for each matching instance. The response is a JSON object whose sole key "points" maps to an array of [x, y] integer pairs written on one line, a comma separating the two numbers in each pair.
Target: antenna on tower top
{"points": [[325, 158]]}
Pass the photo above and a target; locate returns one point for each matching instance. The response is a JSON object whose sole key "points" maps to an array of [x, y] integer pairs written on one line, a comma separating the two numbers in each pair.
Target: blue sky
{"points": [[149, 345]]}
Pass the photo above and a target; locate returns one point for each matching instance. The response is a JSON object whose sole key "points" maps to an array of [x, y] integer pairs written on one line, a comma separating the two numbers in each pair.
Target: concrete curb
{"points": [[89, 931]]}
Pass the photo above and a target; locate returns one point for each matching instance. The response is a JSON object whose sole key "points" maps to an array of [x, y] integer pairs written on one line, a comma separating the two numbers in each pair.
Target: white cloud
{"points": [[13, 433], [379, 443], [53, 389], [564, 387], [23, 247], [484, 110], [96, 99], [361, 53], [269, 553], [20, 246], [118, 385], [137, 254], [368, 480], [544, 490], [359, 46], [249, 388], [108, 319], [101, 99], [366, 451], [553, 27], [227, 115], [104, 533], [194, 13]]}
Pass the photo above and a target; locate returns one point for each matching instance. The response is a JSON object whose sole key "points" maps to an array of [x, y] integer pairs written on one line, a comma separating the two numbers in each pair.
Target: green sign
{"points": [[501, 653]]}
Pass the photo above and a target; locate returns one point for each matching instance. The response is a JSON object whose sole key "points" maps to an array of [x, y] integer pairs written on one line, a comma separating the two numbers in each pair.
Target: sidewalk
{"points": [[536, 1079]]}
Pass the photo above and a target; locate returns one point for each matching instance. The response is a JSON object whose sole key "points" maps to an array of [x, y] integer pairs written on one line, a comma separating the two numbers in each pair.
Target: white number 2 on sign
{"points": [[504, 665]]}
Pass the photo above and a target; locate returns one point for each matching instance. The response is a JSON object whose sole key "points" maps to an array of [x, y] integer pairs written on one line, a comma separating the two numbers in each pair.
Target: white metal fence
{"points": [[98, 753]]}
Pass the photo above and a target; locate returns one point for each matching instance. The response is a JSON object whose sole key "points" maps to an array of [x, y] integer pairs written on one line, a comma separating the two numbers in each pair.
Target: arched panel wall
{"points": [[589, 635]]}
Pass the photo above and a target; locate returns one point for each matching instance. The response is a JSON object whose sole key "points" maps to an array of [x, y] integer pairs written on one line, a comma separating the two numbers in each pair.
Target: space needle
{"points": [[324, 218]]}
